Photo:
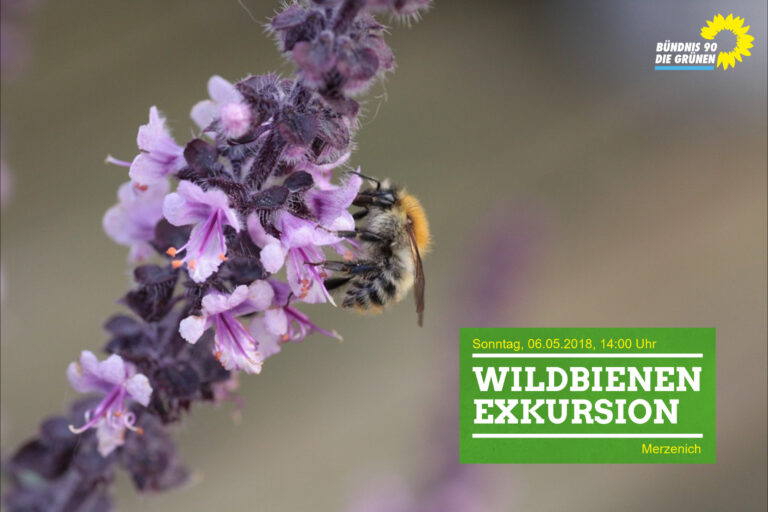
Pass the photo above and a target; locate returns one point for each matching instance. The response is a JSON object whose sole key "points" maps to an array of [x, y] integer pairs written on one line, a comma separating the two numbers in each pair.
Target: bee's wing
{"points": [[418, 285]]}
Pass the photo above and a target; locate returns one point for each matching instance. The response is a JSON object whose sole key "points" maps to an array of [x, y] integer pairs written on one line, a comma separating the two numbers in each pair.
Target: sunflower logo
{"points": [[743, 39]]}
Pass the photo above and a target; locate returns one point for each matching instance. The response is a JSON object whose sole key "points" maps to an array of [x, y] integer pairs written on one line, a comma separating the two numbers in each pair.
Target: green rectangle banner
{"points": [[587, 395]]}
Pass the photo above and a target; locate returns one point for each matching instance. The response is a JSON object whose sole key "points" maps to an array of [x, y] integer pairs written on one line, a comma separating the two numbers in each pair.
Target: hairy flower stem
{"points": [[346, 15]]}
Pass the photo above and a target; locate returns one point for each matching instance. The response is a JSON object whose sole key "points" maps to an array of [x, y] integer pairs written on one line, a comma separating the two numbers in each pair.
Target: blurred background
{"points": [[568, 184]]}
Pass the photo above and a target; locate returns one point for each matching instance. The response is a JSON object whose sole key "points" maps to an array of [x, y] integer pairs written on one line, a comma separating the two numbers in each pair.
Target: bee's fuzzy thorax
{"points": [[418, 217]]}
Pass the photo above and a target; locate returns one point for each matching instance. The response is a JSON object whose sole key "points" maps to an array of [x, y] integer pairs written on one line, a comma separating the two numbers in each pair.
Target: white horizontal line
{"points": [[627, 356], [591, 436]]}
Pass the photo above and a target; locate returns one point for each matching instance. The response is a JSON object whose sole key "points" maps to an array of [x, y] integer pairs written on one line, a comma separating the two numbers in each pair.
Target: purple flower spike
{"points": [[132, 220], [225, 106], [116, 380], [235, 347], [160, 155], [282, 323], [266, 156], [209, 212]]}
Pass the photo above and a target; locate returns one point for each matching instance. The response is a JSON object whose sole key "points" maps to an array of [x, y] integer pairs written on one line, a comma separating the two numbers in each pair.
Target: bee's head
{"points": [[387, 195]]}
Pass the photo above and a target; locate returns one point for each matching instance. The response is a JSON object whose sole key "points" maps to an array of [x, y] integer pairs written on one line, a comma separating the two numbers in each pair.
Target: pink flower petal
{"points": [[112, 370], [139, 389], [222, 91], [192, 328], [204, 113], [109, 436], [276, 321], [272, 257]]}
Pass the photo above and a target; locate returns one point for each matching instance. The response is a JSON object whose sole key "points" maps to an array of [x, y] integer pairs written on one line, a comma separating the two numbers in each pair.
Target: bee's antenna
{"points": [[377, 182]]}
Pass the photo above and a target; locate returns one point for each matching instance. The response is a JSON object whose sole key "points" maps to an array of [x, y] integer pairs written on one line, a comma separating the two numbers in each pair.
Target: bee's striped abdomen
{"points": [[370, 292]]}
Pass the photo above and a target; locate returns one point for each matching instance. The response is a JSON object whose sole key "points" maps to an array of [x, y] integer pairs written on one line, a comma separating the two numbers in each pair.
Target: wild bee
{"points": [[393, 233]]}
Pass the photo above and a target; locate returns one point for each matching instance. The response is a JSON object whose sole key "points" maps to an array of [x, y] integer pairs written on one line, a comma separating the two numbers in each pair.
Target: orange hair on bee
{"points": [[371, 310], [418, 217]]}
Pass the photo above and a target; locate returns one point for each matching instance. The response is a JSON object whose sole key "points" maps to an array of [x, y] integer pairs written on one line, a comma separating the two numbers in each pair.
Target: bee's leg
{"points": [[361, 234], [362, 213], [336, 282], [348, 267], [381, 199]]}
